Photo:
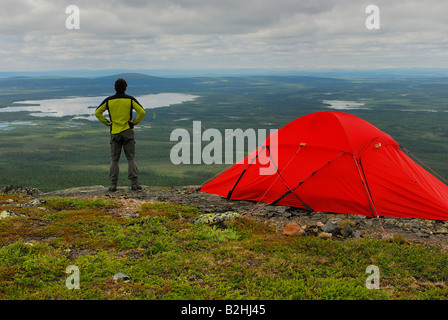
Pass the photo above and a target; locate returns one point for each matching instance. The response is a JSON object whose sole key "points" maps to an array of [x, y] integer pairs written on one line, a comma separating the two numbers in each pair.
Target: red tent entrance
{"points": [[335, 162]]}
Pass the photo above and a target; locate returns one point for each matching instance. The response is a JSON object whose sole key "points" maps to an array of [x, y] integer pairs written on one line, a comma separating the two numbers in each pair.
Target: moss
{"points": [[168, 257]]}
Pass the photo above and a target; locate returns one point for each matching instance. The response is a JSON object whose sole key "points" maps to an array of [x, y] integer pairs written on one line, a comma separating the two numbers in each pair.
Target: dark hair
{"points": [[120, 85]]}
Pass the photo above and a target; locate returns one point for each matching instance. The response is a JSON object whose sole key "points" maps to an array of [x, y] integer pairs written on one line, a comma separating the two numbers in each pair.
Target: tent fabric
{"points": [[333, 161]]}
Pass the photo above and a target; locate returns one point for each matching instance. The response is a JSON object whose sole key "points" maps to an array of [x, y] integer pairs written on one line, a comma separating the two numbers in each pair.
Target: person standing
{"points": [[120, 107]]}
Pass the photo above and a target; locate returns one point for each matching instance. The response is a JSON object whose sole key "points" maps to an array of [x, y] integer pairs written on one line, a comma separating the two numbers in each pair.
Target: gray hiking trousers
{"points": [[123, 140]]}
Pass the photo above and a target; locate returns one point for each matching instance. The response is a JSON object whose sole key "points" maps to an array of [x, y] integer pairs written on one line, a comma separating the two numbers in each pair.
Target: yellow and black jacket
{"points": [[120, 108]]}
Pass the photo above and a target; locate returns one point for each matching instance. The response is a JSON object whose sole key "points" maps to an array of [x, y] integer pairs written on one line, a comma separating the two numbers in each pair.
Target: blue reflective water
{"points": [[84, 107]]}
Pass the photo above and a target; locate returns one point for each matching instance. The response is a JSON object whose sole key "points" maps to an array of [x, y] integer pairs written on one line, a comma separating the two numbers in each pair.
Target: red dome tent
{"points": [[335, 162]]}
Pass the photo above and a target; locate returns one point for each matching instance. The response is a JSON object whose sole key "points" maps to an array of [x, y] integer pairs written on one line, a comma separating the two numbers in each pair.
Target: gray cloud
{"points": [[188, 34]]}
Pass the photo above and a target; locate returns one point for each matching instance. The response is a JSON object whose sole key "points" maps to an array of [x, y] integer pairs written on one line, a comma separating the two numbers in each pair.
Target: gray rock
{"points": [[122, 277], [19, 190], [347, 231], [132, 215], [287, 214], [210, 218], [357, 234], [32, 203], [7, 213], [281, 209], [329, 227]]}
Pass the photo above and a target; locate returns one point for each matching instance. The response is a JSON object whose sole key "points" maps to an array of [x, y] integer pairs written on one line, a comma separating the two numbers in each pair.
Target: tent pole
{"points": [[366, 188], [242, 173], [300, 183], [284, 182]]}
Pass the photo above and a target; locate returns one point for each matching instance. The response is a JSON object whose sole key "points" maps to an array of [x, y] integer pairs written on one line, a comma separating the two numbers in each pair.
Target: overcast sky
{"points": [[213, 34]]}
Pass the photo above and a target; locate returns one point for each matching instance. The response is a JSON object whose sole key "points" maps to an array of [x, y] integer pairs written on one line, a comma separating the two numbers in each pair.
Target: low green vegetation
{"points": [[168, 257]]}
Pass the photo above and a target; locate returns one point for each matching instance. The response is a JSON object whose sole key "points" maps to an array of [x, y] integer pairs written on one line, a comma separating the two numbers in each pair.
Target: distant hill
{"points": [[49, 87]]}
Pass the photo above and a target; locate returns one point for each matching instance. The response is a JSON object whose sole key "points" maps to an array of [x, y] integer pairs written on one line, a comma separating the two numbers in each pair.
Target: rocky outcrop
{"points": [[19, 190], [215, 218], [216, 209]]}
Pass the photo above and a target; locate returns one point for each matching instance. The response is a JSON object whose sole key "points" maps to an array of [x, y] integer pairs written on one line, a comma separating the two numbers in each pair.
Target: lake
{"points": [[84, 107], [13, 125], [343, 105]]}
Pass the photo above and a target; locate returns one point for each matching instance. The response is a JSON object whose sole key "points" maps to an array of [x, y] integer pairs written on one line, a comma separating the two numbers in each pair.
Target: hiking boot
{"points": [[113, 187], [135, 185]]}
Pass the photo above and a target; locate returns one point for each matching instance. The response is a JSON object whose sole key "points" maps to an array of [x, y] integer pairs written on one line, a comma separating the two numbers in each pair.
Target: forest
{"points": [[50, 153]]}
